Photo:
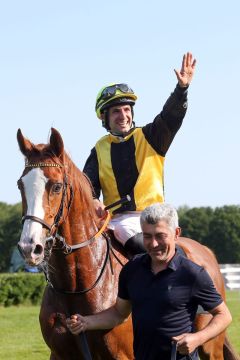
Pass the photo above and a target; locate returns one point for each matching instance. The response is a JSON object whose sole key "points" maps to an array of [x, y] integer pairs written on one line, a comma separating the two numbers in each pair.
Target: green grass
{"points": [[21, 339], [20, 335], [233, 302]]}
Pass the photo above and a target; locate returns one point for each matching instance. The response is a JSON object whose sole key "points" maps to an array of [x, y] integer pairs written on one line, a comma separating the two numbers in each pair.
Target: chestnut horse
{"points": [[62, 232]]}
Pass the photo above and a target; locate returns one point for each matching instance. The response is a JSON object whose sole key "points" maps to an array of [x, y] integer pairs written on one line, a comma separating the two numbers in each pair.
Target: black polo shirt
{"points": [[165, 304]]}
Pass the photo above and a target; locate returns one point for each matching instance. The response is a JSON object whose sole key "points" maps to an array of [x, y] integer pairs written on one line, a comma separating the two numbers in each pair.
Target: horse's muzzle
{"points": [[32, 253]]}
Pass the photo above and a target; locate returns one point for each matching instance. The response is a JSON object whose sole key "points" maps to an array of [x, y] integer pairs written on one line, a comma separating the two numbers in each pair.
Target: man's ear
{"points": [[178, 232]]}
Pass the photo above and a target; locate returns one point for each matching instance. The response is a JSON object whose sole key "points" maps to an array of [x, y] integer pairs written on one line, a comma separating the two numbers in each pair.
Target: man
{"points": [[130, 160], [162, 289]]}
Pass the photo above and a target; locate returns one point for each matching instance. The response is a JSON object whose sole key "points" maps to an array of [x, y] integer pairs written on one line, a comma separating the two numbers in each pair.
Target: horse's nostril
{"points": [[38, 250]]}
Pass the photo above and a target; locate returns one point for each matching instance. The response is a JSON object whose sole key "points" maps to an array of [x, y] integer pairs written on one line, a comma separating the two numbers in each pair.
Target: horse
{"points": [[81, 260]]}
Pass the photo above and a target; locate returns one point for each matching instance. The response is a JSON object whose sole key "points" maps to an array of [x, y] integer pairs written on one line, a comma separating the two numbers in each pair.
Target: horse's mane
{"points": [[81, 183]]}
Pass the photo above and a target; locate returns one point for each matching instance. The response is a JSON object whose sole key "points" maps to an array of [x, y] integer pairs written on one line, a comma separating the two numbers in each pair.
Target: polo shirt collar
{"points": [[173, 265]]}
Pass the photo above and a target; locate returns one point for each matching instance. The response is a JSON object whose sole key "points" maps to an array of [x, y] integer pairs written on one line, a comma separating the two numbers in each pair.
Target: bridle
{"points": [[59, 215], [56, 242], [66, 248]]}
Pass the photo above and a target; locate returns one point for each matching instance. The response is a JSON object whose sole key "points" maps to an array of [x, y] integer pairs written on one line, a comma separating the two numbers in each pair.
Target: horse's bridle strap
{"points": [[38, 220], [69, 248], [88, 242]]}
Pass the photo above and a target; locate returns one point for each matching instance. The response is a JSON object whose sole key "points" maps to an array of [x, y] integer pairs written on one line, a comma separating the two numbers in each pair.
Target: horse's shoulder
{"points": [[116, 247]]}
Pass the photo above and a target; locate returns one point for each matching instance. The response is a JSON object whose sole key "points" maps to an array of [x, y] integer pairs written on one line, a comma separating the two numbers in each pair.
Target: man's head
{"points": [[160, 229], [114, 106]]}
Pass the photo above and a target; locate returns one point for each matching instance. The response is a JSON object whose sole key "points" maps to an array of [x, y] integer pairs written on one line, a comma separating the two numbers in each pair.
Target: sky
{"points": [[56, 55]]}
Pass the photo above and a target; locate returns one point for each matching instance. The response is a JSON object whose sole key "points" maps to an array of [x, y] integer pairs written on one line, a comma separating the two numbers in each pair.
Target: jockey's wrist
{"points": [[184, 87]]}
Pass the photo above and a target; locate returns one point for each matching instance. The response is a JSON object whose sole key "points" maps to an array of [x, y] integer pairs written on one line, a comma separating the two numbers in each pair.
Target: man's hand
{"points": [[76, 324], [186, 73], [186, 343], [99, 208]]}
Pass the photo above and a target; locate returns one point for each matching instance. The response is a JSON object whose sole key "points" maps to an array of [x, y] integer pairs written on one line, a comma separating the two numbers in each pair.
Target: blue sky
{"points": [[56, 55]]}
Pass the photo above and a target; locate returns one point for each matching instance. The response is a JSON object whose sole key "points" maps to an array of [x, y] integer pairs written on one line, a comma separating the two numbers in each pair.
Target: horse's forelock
{"points": [[41, 153]]}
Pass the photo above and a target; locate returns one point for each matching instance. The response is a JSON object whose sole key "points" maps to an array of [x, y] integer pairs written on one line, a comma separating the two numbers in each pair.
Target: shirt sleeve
{"points": [[204, 291], [161, 132], [91, 170]]}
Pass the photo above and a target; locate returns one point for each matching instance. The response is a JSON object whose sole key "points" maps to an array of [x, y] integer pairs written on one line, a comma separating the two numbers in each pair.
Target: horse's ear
{"points": [[56, 143], [24, 144]]}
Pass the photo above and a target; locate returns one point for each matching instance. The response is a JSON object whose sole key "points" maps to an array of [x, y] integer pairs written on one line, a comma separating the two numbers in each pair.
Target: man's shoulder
{"points": [[188, 264]]}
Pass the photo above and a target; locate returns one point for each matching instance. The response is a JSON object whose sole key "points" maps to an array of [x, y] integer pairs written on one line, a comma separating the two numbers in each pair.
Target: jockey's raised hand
{"points": [[186, 73]]}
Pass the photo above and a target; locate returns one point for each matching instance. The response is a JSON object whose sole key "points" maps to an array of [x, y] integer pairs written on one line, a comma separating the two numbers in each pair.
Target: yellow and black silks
{"points": [[142, 165]]}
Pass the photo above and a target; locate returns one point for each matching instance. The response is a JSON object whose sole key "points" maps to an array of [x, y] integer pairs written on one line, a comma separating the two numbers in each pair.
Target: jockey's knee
{"points": [[130, 236], [134, 245]]}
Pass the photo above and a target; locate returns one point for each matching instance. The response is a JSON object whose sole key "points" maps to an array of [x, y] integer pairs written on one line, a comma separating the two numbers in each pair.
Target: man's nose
{"points": [[122, 114], [154, 242]]}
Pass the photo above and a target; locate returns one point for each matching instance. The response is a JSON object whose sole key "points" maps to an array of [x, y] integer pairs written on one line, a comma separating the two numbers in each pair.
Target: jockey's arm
{"points": [[91, 170]]}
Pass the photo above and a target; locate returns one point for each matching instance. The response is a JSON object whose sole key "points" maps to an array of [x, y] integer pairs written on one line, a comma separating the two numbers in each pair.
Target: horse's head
{"points": [[45, 194]]}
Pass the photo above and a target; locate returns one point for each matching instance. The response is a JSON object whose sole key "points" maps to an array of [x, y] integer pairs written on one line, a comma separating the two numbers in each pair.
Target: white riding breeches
{"points": [[125, 225]]}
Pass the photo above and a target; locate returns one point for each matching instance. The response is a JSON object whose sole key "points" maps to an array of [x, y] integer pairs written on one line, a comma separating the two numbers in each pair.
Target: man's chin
{"points": [[124, 130], [159, 256]]}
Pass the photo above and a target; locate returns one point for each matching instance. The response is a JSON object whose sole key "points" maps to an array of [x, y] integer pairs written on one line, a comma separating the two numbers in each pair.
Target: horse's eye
{"points": [[56, 188]]}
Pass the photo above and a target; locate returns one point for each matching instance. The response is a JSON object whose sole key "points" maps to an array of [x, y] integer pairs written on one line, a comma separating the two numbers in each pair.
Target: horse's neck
{"points": [[75, 271], [80, 222], [78, 226]]}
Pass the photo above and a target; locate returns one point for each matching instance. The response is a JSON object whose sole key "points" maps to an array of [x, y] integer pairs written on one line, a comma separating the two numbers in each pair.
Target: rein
{"points": [[53, 240], [84, 291], [68, 249]]}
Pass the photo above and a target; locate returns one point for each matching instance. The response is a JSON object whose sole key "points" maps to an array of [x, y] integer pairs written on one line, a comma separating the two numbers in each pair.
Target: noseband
{"points": [[62, 245]]}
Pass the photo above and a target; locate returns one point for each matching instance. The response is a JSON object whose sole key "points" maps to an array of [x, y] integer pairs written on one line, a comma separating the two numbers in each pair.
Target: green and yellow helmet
{"points": [[113, 95]]}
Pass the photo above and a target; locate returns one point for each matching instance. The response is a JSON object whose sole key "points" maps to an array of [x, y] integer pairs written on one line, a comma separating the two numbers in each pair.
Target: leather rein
{"points": [[54, 239]]}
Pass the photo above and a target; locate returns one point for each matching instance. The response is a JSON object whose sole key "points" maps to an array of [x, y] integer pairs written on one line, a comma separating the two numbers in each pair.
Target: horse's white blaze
{"points": [[34, 186]]}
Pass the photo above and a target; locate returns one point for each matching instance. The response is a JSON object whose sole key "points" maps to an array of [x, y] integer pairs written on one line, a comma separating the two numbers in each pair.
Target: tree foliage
{"points": [[21, 288], [10, 230], [195, 223], [217, 228], [224, 234]]}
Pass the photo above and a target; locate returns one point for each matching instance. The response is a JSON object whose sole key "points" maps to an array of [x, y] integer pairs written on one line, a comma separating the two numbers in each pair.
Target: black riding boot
{"points": [[134, 245]]}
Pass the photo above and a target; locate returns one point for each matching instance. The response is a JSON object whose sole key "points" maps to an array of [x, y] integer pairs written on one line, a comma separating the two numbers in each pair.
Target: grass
{"points": [[20, 335], [233, 302]]}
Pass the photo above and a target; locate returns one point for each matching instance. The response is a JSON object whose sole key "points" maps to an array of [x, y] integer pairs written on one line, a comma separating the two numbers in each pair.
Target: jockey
{"points": [[129, 160]]}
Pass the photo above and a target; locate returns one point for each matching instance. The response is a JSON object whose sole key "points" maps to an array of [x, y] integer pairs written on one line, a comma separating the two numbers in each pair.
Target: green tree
{"points": [[10, 230], [195, 222]]}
